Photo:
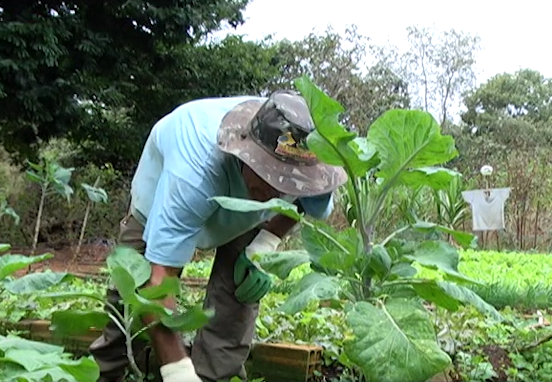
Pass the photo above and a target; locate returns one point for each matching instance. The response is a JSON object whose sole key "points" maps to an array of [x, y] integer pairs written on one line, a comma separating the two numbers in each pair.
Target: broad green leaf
{"points": [[62, 174], [324, 150], [282, 263], [329, 248], [366, 152], [193, 319], [8, 211], [331, 142], [71, 322], [36, 282], [50, 374], [441, 256], [380, 261], [95, 194], [67, 295], [127, 289], [245, 205], [170, 286], [35, 166], [124, 282], [312, 287], [12, 263], [467, 296], [141, 306], [438, 178], [430, 291], [34, 177], [132, 261], [37, 366], [394, 342], [4, 247], [464, 239], [13, 342], [32, 360], [83, 369], [402, 270], [407, 140], [63, 190]]}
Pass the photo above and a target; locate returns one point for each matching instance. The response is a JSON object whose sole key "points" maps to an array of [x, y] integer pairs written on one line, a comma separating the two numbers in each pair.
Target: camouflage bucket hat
{"points": [[270, 138]]}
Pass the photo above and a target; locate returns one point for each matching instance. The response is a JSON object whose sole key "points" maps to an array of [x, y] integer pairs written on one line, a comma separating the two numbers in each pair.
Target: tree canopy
{"points": [[55, 56], [524, 94]]}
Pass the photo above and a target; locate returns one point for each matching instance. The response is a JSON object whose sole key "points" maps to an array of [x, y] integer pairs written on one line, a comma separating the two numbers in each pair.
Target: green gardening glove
{"points": [[252, 284]]}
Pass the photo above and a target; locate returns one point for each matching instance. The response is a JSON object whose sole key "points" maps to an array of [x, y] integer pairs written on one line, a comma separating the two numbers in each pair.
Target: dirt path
{"points": [[89, 261]]}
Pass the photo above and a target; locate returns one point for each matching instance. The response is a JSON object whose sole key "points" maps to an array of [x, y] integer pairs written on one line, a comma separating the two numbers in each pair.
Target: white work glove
{"points": [[181, 371], [264, 242]]}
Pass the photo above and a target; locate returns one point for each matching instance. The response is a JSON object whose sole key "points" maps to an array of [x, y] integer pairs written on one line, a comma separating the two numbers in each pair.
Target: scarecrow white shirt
{"points": [[180, 168], [487, 210]]}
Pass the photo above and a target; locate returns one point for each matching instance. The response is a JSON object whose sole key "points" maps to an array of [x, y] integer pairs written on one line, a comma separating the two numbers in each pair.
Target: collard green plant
{"points": [[129, 271], [52, 179], [30, 283], [375, 283], [23, 360], [6, 210], [95, 194]]}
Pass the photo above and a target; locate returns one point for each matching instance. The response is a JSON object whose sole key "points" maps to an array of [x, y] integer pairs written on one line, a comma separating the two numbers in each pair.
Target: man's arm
{"points": [[167, 343], [281, 225], [178, 214]]}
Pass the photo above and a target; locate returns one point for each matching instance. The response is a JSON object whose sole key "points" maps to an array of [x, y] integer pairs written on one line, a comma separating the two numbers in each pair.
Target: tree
{"points": [[438, 67], [227, 67], [525, 94], [337, 63], [57, 55]]}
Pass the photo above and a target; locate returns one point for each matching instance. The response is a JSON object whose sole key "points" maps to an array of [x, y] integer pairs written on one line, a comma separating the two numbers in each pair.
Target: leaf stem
{"points": [[128, 335], [144, 329], [326, 235], [391, 236]]}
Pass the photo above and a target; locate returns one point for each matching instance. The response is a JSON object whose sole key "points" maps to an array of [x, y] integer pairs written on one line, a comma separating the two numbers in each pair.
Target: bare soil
{"points": [[90, 259]]}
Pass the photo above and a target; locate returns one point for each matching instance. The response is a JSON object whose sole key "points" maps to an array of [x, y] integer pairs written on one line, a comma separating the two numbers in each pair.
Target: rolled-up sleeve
{"points": [[178, 215], [319, 207]]}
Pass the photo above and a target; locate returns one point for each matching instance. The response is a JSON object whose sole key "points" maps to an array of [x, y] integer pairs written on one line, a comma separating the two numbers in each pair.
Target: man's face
{"points": [[259, 190]]}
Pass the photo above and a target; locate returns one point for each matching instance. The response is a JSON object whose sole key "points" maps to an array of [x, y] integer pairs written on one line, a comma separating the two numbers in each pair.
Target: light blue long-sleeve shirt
{"points": [[180, 169]]}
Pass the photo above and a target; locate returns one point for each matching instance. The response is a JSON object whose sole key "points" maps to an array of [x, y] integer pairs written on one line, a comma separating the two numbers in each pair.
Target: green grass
{"points": [[518, 280]]}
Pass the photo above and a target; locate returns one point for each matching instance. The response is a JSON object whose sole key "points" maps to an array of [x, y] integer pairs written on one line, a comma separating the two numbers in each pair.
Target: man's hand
{"points": [[180, 371], [167, 344], [252, 283]]}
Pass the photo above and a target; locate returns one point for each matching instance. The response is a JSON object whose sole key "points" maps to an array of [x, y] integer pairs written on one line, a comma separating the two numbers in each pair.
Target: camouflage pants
{"points": [[220, 348]]}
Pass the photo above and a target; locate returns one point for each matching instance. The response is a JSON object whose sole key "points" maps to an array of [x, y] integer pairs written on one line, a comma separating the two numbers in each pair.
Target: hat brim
{"points": [[288, 178]]}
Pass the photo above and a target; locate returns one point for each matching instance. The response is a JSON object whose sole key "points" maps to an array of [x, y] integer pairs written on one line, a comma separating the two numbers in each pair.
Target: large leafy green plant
{"points": [[24, 360], [375, 282], [53, 179], [30, 283], [95, 195], [129, 271]]}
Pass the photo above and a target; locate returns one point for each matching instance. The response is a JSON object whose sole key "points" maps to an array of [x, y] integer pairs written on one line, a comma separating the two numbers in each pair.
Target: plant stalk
{"points": [[44, 189], [130, 353], [84, 223], [81, 236]]}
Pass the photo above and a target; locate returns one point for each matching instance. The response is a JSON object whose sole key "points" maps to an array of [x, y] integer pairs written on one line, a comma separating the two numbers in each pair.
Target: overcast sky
{"points": [[513, 36]]}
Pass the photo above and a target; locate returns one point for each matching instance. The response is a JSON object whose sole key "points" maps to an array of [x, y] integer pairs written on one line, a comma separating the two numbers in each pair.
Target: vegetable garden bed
{"points": [[275, 362], [386, 303]]}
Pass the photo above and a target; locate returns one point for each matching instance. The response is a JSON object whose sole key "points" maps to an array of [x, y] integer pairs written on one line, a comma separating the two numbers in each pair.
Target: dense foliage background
{"points": [[82, 83]]}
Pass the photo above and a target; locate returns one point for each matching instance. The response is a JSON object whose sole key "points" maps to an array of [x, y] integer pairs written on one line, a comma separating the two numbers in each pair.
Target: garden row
{"points": [[520, 286], [396, 294]]}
